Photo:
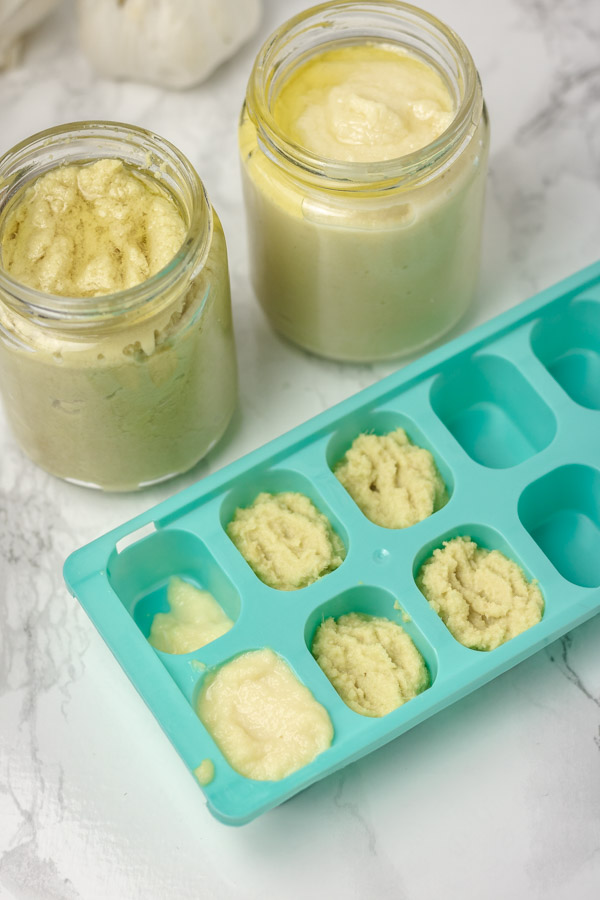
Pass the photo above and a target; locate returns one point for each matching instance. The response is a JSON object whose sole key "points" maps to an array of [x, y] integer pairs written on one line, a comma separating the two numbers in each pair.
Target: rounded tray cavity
{"points": [[561, 511], [139, 575], [568, 344], [493, 411]]}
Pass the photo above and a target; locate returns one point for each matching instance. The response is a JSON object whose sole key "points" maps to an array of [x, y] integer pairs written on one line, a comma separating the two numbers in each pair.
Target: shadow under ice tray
{"points": [[511, 413]]}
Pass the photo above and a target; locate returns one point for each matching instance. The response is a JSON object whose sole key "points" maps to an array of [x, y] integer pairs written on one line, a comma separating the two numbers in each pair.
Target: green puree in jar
{"points": [[131, 376], [89, 230]]}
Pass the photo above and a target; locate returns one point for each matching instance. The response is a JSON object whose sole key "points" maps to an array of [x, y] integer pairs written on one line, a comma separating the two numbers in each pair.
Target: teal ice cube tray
{"points": [[511, 413]]}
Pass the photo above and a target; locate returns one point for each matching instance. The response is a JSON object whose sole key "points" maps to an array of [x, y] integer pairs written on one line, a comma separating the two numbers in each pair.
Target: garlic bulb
{"points": [[172, 43], [16, 18]]}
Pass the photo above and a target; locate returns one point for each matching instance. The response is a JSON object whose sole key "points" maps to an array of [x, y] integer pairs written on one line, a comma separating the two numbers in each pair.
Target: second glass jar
{"points": [[364, 261]]}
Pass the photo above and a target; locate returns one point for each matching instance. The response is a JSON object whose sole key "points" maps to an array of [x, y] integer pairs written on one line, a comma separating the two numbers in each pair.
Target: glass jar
{"points": [[127, 389], [364, 261]]}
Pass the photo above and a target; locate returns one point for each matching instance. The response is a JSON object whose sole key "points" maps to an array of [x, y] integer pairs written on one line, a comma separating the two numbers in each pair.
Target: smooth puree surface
{"points": [[194, 619], [482, 596], [363, 103], [88, 230], [265, 722]]}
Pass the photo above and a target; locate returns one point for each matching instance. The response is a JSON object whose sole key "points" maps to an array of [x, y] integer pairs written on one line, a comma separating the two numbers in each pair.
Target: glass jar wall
{"points": [[364, 261], [120, 390]]}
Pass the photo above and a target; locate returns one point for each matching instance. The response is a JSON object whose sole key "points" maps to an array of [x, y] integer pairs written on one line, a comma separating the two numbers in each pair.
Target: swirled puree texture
{"points": [[371, 662], [395, 483], [89, 230], [364, 103], [286, 540], [127, 399], [482, 596], [265, 722], [194, 619]]}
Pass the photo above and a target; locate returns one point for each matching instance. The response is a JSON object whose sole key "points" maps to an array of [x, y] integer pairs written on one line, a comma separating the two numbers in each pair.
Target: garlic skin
{"points": [[16, 18], [171, 43]]}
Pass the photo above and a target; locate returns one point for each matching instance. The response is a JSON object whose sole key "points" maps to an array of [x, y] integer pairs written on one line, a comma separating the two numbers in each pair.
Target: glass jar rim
{"points": [[16, 167], [358, 175]]}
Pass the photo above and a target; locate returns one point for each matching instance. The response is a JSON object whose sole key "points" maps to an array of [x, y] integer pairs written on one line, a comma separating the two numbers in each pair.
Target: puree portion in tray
{"points": [[393, 482], [194, 619], [286, 540], [265, 722], [482, 596], [371, 661]]}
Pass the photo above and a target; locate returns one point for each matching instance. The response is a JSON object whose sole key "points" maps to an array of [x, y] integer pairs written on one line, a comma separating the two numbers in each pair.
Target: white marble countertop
{"points": [[498, 796]]}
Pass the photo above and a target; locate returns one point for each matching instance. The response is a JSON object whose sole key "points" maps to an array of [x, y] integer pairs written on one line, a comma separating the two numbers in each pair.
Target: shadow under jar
{"points": [[363, 261], [120, 390]]}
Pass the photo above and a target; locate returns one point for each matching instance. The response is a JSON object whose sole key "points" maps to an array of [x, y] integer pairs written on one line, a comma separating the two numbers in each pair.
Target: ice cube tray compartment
{"points": [[139, 575], [511, 417], [493, 411], [561, 511], [568, 344]]}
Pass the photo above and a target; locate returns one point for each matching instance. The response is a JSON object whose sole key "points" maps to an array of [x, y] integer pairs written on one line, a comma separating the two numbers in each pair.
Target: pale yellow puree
{"points": [[482, 596], [371, 661], [393, 481], [286, 540], [85, 231], [363, 274], [265, 722], [194, 619], [364, 103], [205, 772]]}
